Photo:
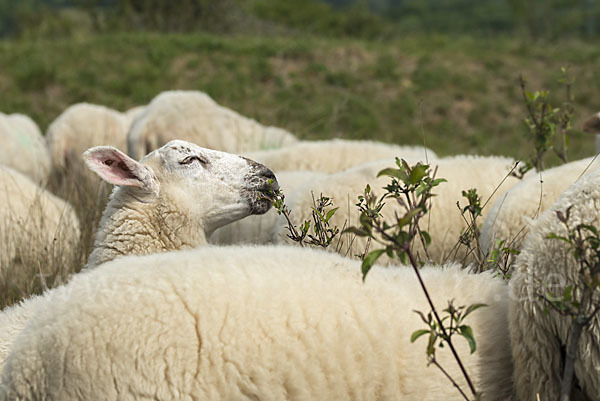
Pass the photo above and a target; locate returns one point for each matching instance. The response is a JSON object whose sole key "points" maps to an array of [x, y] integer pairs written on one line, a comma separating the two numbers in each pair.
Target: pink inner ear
{"points": [[114, 167]]}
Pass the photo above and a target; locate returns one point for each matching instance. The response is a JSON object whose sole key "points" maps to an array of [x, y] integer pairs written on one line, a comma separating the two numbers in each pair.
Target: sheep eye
{"points": [[190, 160]]}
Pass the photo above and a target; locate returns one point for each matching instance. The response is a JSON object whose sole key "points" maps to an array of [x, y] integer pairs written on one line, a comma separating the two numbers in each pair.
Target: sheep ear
{"points": [[116, 168]]}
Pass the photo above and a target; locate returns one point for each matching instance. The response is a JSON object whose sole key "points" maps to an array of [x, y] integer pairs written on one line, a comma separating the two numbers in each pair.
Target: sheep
{"points": [[547, 265], [23, 147], [444, 221], [81, 126], [592, 125], [173, 199], [266, 323], [334, 155], [133, 113], [38, 231], [194, 116], [511, 214]]}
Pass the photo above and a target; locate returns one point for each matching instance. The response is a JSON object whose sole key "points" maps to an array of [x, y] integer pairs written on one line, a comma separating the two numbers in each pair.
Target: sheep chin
{"points": [[257, 200]]}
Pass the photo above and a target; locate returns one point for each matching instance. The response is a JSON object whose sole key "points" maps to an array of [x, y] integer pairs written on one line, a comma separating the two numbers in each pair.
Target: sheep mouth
{"points": [[260, 197]]}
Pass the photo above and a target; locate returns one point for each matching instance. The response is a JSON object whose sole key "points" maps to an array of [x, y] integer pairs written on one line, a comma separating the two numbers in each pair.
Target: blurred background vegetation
{"points": [[443, 72]]}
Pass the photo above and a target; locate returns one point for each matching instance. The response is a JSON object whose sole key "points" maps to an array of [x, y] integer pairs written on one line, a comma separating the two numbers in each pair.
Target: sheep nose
{"points": [[269, 175]]}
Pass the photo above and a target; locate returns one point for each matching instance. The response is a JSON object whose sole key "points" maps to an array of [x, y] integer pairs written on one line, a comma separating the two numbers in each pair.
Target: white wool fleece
{"points": [[335, 155], [33, 224], [443, 222], [511, 214], [547, 265], [23, 147], [194, 116], [244, 323]]}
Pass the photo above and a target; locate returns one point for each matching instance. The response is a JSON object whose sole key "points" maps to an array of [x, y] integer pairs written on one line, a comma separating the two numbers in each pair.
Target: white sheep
{"points": [[173, 199], [547, 265], [334, 155], [443, 222], [254, 323], [38, 231], [133, 113], [513, 211], [80, 127], [23, 147], [194, 116]]}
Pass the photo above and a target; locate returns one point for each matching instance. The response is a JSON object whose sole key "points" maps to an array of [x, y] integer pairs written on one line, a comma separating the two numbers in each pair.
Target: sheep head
{"points": [[211, 188]]}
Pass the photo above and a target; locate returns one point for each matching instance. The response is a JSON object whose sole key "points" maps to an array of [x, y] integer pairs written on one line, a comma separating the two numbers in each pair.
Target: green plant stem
{"points": [[413, 262], [454, 383]]}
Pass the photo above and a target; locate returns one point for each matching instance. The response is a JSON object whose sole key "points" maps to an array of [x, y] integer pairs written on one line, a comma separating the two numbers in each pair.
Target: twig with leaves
{"points": [[322, 234], [546, 122], [411, 188], [581, 300]]}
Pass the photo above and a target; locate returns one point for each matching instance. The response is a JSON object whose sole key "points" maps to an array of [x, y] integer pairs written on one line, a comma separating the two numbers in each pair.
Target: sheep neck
{"points": [[136, 228]]}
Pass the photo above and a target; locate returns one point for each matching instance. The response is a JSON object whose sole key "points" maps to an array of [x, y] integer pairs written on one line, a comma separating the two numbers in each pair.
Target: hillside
{"points": [[459, 95]]}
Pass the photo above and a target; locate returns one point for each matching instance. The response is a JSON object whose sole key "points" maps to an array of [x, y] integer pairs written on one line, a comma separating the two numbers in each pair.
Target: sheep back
{"points": [[250, 323], [509, 217], [195, 117], [335, 155]]}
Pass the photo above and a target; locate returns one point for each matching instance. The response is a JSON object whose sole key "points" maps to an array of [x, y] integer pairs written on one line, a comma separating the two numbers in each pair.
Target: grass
{"points": [[461, 94]]}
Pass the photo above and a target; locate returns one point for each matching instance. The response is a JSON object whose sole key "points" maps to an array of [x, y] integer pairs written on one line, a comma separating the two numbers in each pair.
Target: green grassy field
{"points": [[459, 95]]}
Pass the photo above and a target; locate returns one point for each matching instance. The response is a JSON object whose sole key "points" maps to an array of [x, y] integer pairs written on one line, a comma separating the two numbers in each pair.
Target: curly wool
{"points": [[266, 323], [512, 213], [547, 265]]}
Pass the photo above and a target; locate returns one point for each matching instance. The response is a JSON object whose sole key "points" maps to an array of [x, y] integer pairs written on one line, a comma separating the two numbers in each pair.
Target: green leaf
{"points": [[365, 220], [356, 231], [330, 214], [467, 333], [418, 173], [389, 251], [370, 260], [318, 214], [403, 256], [554, 236], [426, 237], [393, 172], [589, 228], [472, 308], [568, 293], [431, 344], [418, 334]]}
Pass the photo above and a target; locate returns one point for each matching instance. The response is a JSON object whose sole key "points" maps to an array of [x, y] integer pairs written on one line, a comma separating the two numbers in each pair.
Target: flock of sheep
{"points": [[191, 292]]}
